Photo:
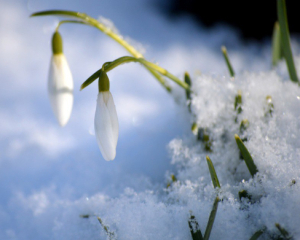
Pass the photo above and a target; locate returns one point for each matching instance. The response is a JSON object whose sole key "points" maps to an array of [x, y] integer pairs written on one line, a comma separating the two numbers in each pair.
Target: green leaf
{"points": [[246, 155], [194, 228], [213, 174], [283, 232], [285, 37], [277, 53], [188, 81], [91, 79], [257, 234], [106, 229], [238, 102], [194, 128], [59, 13], [244, 125], [230, 69], [211, 219]]}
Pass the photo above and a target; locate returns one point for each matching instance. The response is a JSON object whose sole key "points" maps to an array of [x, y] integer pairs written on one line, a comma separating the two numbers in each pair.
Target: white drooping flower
{"points": [[60, 83], [106, 120]]}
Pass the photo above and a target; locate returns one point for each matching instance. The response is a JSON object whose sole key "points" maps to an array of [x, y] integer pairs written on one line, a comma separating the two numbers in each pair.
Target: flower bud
{"points": [[60, 83], [106, 125]]}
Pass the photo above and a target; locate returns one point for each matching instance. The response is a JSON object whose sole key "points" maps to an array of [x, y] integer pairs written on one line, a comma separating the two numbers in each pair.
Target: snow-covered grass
{"points": [[51, 176]]}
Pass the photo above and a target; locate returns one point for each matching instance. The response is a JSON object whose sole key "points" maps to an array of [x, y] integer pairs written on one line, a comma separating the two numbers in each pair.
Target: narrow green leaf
{"points": [[160, 79], [173, 179], [106, 229], [91, 79], [277, 53], [246, 155], [238, 102], [188, 81], [213, 174], [257, 234], [283, 232], [194, 128], [211, 219], [285, 37], [194, 228], [59, 13], [230, 69], [244, 125]]}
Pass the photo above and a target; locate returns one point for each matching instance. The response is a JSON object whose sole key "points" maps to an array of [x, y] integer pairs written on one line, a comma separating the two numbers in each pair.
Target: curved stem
{"points": [[68, 21], [109, 32], [108, 66], [111, 65]]}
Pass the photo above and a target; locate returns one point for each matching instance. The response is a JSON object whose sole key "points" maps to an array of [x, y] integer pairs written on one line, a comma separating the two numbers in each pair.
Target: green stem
{"points": [[69, 21], [86, 19], [108, 66], [285, 37]]}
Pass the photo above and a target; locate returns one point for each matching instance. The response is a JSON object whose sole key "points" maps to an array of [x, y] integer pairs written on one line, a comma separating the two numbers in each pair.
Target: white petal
{"points": [[108, 99], [60, 88], [104, 128]]}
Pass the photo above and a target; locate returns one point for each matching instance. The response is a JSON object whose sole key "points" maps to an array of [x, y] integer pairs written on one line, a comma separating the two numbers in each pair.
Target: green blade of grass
{"points": [[109, 233], [213, 174], [211, 219], [238, 102], [194, 228], [246, 155], [285, 37], [257, 234], [188, 81], [229, 66], [283, 232], [277, 53]]}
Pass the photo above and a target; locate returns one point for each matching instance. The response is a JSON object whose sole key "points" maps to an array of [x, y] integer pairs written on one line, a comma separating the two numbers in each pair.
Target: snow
{"points": [[49, 176]]}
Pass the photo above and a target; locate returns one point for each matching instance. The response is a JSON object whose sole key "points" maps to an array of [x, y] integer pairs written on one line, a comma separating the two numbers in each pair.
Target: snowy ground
{"points": [[51, 175]]}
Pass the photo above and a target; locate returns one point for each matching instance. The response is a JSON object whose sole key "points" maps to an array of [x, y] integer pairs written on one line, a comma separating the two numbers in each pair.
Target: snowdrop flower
{"points": [[106, 120], [60, 83]]}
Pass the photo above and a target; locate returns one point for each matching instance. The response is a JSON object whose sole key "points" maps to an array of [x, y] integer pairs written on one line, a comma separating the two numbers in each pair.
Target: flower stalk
{"points": [[87, 20], [108, 66]]}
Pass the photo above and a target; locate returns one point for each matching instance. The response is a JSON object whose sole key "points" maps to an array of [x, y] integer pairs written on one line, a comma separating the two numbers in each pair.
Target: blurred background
{"points": [[41, 162], [253, 20]]}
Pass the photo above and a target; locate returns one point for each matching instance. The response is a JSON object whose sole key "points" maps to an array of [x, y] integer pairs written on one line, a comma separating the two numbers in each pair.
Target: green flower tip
{"points": [[194, 128], [237, 137], [224, 50], [269, 99], [57, 43], [103, 82], [207, 158]]}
